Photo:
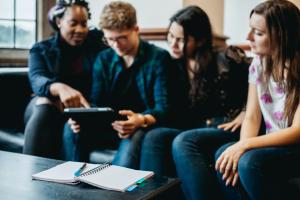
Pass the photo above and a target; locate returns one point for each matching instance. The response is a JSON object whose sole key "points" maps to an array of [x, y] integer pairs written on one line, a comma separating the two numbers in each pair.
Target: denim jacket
{"points": [[46, 61]]}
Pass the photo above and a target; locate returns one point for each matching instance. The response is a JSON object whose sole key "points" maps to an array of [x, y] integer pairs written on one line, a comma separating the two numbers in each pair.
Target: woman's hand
{"points": [[128, 127], [235, 124], [74, 125], [227, 163], [68, 96]]}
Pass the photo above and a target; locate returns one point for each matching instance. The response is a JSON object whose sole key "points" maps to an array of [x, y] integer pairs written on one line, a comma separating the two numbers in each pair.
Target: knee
{"points": [[155, 137], [221, 150], [181, 144], [46, 101], [43, 100], [247, 162]]}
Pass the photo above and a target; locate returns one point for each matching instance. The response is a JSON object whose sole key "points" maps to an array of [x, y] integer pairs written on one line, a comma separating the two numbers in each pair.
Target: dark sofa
{"points": [[15, 94]]}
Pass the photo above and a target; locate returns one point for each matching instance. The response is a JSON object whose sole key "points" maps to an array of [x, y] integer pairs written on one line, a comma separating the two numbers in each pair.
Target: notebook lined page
{"points": [[116, 178], [63, 173]]}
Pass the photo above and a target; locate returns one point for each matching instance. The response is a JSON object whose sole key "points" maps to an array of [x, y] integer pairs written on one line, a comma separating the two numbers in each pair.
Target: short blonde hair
{"points": [[118, 15]]}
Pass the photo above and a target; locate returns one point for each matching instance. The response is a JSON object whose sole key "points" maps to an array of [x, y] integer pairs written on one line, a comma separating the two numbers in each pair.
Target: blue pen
{"points": [[79, 171]]}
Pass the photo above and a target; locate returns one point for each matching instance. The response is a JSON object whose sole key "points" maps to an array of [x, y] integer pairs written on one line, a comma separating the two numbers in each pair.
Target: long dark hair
{"points": [[283, 63], [196, 23], [59, 9]]}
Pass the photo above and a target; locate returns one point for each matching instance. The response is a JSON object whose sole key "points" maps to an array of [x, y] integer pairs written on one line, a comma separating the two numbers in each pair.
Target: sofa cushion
{"points": [[11, 140], [15, 94]]}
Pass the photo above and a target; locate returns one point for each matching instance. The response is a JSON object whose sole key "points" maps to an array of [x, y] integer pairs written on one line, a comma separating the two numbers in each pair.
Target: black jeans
{"points": [[43, 130]]}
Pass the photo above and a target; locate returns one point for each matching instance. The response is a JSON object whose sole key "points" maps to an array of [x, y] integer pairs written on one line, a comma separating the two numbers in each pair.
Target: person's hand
{"points": [[235, 124], [69, 97], [227, 163], [126, 128], [74, 125]]}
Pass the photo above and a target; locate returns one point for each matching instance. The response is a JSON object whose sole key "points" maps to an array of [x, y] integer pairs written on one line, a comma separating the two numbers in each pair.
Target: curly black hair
{"points": [[59, 9]]}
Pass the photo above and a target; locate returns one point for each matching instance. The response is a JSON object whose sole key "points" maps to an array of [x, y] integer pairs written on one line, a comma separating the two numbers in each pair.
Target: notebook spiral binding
{"points": [[95, 170]]}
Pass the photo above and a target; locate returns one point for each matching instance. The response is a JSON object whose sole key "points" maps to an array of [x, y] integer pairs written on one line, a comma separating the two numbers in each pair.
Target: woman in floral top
{"points": [[247, 167]]}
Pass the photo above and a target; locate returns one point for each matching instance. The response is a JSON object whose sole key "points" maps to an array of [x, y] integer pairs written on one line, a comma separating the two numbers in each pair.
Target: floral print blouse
{"points": [[271, 97]]}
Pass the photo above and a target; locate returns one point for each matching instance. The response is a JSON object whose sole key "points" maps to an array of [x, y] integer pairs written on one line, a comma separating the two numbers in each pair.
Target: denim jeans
{"points": [[78, 146], [193, 153], [263, 173], [156, 151]]}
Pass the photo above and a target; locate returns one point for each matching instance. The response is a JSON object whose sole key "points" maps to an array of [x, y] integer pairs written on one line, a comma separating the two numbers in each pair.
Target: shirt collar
{"points": [[140, 56]]}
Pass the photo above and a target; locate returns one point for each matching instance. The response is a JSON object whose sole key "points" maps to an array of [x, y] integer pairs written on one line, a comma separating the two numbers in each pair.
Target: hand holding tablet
{"points": [[93, 115]]}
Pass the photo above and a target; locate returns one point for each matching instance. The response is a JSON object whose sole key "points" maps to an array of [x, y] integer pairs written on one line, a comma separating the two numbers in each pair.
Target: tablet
{"points": [[92, 115]]}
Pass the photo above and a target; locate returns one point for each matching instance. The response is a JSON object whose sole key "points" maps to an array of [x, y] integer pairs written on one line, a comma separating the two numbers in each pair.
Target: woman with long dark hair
{"points": [[210, 87]]}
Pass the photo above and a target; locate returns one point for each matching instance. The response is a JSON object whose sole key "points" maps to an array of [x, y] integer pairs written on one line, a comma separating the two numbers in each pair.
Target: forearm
{"points": [[55, 88], [250, 127], [287, 136]]}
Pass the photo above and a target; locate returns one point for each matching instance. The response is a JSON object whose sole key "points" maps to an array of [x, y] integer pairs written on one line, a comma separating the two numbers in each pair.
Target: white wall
{"points": [[150, 13], [236, 19], [214, 10]]}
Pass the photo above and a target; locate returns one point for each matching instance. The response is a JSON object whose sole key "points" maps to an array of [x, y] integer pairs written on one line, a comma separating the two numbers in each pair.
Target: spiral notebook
{"points": [[105, 176]]}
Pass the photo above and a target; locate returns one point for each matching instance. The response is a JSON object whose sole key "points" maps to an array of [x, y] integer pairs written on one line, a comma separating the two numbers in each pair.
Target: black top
{"points": [[223, 92], [126, 94]]}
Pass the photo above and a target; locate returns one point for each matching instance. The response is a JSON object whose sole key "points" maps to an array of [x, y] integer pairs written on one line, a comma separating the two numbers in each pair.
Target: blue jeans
{"points": [[156, 151], [263, 173], [78, 146], [193, 153]]}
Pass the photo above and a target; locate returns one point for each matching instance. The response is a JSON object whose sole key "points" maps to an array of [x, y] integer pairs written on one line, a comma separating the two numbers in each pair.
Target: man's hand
{"points": [[74, 125], [128, 127]]}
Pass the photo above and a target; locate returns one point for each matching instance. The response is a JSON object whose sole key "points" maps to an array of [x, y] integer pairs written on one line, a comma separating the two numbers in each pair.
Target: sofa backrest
{"points": [[15, 94]]}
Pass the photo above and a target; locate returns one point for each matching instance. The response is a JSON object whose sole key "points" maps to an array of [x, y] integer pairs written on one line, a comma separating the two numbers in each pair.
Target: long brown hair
{"points": [[283, 63], [196, 23]]}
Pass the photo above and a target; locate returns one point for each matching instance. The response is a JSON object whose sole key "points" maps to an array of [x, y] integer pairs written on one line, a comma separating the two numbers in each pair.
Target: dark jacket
{"points": [[224, 91], [153, 64], [47, 63]]}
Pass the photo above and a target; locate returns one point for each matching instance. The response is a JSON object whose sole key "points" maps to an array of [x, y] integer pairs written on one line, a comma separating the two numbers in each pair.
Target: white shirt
{"points": [[271, 97]]}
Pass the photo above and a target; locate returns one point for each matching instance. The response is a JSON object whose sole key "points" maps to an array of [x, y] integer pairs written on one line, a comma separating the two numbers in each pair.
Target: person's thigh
{"points": [[159, 139], [156, 151], [193, 151], [264, 171], [44, 124], [128, 154], [205, 140], [273, 159]]}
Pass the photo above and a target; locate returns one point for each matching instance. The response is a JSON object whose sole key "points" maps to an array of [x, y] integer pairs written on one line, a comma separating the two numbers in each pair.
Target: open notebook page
{"points": [[116, 178], [63, 173]]}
